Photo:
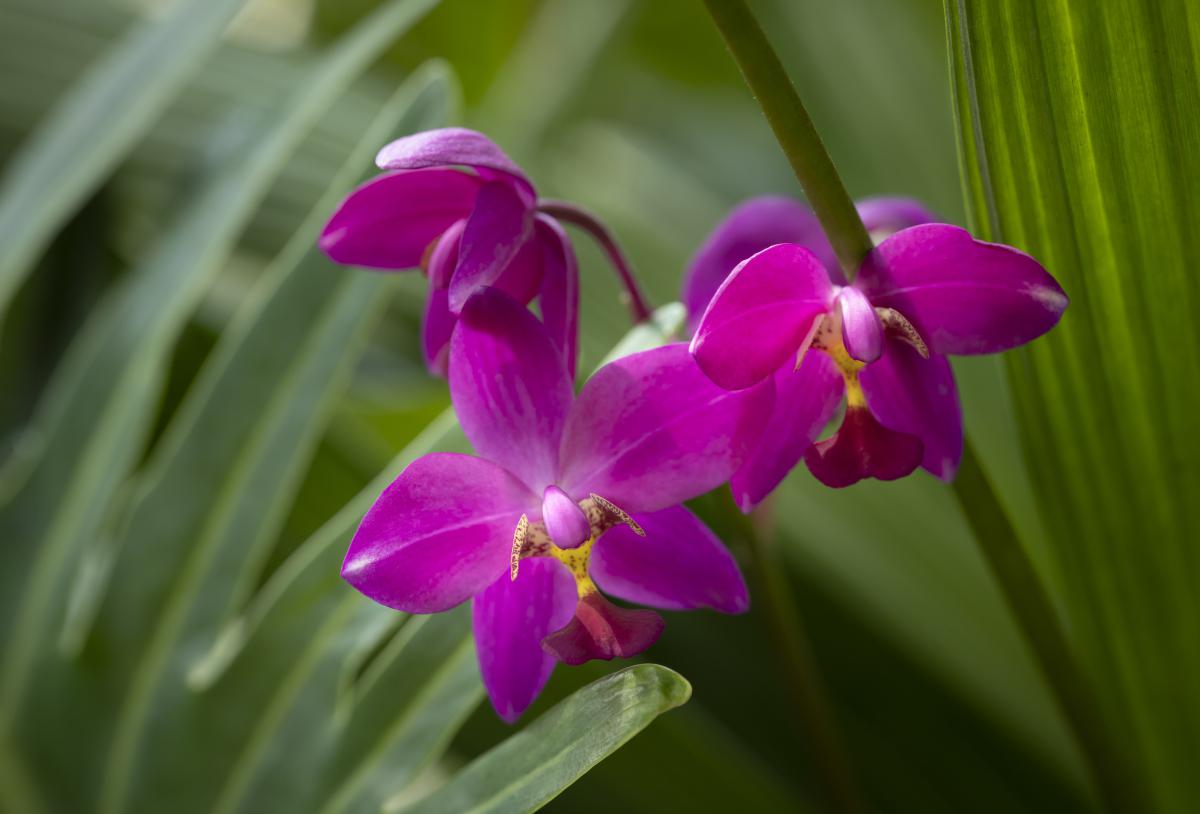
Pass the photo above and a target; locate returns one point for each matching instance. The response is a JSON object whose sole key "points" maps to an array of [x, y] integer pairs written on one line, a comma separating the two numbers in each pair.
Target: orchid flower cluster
{"points": [[574, 497]]}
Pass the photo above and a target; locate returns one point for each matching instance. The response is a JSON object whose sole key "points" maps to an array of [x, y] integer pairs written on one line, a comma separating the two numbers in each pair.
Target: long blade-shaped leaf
{"points": [[97, 410], [274, 704], [220, 483], [1078, 130], [531, 768], [101, 117]]}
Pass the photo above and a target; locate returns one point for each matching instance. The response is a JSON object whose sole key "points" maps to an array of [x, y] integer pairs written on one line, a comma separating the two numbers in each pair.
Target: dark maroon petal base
{"points": [[601, 630], [863, 448]]}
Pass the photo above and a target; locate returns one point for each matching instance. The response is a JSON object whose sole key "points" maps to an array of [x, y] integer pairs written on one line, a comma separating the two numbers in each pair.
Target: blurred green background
{"points": [[633, 109]]}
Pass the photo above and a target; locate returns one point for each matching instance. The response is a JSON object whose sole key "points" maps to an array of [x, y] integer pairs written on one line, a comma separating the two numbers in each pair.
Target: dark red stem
{"points": [[578, 216]]}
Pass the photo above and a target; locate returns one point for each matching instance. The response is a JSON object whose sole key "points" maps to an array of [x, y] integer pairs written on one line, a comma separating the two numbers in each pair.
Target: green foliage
{"points": [[174, 633], [75, 146], [1078, 137], [535, 765]]}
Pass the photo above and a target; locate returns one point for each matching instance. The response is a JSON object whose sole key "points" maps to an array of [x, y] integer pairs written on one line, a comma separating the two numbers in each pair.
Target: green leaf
{"points": [[1078, 128], [215, 492], [60, 487], [101, 117], [295, 713], [534, 766], [665, 325]]}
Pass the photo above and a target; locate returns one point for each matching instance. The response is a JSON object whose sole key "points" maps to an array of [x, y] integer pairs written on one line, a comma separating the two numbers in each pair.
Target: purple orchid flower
{"points": [[453, 204], [569, 495], [927, 290]]}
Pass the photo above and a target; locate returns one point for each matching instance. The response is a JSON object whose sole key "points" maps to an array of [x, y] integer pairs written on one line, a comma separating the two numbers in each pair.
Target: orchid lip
{"points": [[531, 539], [862, 447], [598, 629]]}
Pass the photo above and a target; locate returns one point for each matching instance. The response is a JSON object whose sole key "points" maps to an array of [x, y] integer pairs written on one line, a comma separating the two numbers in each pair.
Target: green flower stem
{"points": [[769, 83], [588, 222], [1038, 620], [1010, 566], [816, 719]]}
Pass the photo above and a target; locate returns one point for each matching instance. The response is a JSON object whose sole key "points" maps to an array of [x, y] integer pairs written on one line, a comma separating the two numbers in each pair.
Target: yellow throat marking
{"points": [[828, 339], [576, 559]]}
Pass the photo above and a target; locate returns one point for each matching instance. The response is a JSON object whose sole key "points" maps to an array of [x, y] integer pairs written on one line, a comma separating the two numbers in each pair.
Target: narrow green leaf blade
{"points": [[97, 411], [220, 482], [533, 766], [1078, 131], [102, 116]]}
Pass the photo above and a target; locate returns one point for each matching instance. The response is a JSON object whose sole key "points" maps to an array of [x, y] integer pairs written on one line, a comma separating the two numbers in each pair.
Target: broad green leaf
{"points": [[215, 491], [534, 766], [1078, 131], [102, 116], [96, 413], [665, 325]]}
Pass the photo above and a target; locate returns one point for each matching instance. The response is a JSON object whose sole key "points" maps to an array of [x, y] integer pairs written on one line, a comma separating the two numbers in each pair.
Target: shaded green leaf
{"points": [[102, 116], [1078, 130], [97, 411], [536, 764]]}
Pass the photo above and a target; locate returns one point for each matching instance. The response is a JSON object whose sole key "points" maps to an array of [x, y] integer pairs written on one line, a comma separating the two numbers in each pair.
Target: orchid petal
{"points": [[451, 146], [438, 534], [565, 522], [443, 258], [760, 315], [521, 277], [650, 430], [678, 565], [560, 288], [437, 326], [918, 396], [805, 400], [389, 221], [963, 296], [748, 229], [509, 386], [863, 448], [496, 230], [883, 217], [601, 630], [861, 332], [511, 617]]}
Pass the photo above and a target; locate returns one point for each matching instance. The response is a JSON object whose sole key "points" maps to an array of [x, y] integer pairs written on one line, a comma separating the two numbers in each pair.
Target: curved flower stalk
{"points": [[569, 495], [926, 291], [453, 204]]}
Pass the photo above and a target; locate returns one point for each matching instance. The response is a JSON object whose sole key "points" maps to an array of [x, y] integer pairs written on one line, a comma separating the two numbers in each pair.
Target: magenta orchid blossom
{"points": [[453, 204], [925, 291], [569, 495]]}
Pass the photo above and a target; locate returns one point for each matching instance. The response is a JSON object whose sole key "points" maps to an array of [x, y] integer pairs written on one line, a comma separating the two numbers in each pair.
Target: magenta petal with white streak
{"points": [[438, 534], [964, 296]]}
